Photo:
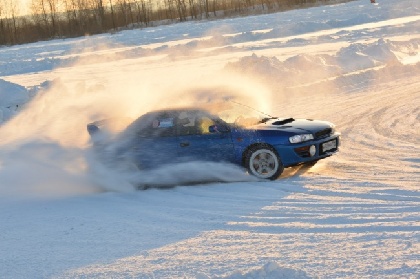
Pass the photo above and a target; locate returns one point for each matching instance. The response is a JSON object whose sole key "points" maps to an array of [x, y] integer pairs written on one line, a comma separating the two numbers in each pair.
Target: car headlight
{"points": [[301, 138], [332, 126]]}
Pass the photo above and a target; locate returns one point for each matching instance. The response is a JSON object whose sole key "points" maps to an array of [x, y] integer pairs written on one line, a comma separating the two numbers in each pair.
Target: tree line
{"points": [[49, 19]]}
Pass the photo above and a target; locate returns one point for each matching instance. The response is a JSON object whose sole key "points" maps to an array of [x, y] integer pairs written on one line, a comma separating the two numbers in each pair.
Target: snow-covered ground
{"points": [[354, 215]]}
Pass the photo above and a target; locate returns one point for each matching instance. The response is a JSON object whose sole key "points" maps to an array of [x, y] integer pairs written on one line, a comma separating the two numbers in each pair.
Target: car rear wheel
{"points": [[264, 162]]}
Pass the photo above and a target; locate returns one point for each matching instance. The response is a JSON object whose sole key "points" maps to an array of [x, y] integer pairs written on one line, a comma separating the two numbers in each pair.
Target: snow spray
{"points": [[45, 150]]}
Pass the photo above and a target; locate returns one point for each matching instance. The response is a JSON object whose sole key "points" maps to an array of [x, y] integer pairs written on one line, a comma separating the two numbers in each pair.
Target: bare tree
{"points": [[182, 10], [112, 15], [52, 6], [72, 18], [169, 9], [142, 12], [193, 8], [214, 8], [206, 8], [125, 12], [41, 17], [14, 11], [3, 33], [101, 11]]}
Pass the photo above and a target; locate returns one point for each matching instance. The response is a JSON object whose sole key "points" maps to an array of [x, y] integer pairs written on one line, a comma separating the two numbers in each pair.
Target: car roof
{"points": [[178, 110]]}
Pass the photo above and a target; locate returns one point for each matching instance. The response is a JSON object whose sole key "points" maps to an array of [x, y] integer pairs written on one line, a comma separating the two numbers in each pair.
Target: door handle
{"points": [[184, 144]]}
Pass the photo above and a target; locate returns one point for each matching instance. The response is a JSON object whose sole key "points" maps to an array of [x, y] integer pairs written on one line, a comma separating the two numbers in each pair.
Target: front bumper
{"points": [[295, 154]]}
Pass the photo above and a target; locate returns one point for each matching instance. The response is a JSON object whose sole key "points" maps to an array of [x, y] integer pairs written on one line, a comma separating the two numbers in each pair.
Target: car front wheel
{"points": [[264, 162]]}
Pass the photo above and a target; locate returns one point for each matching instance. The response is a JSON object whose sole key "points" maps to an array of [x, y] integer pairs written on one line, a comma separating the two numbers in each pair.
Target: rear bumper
{"points": [[295, 154]]}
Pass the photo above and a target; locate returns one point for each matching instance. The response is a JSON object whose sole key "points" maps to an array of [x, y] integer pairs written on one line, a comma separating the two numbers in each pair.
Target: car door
{"points": [[155, 142], [203, 137]]}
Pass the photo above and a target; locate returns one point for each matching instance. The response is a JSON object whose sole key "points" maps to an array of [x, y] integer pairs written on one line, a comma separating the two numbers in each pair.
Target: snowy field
{"points": [[354, 215]]}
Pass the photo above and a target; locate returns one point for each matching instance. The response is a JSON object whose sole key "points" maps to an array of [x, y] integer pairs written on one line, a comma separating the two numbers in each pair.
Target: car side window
{"points": [[194, 123], [186, 124], [204, 124], [162, 125]]}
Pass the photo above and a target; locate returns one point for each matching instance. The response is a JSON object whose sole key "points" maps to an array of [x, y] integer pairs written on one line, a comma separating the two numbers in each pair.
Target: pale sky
{"points": [[24, 5]]}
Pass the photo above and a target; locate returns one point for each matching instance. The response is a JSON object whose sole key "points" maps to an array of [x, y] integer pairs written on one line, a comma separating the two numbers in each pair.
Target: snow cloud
{"points": [[48, 140]]}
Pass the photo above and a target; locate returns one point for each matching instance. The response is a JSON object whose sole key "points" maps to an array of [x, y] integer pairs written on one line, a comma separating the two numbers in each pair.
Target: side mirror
{"points": [[218, 129]]}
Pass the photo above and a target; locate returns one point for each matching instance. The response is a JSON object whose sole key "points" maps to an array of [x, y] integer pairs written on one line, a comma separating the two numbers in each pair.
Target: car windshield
{"points": [[238, 114]]}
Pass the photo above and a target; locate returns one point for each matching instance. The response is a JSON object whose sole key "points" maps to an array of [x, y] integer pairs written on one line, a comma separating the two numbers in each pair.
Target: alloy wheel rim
{"points": [[264, 163]]}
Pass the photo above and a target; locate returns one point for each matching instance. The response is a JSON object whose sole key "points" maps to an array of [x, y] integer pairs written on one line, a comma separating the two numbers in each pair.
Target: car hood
{"points": [[294, 125]]}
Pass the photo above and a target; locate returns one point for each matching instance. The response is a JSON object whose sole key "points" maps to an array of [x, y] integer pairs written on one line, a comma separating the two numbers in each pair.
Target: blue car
{"points": [[263, 146]]}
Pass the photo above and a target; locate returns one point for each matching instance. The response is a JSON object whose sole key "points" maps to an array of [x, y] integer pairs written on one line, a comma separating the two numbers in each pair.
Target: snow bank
{"points": [[271, 270], [305, 69], [12, 96]]}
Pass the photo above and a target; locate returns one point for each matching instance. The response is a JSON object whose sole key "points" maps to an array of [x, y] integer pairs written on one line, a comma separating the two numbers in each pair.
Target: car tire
{"points": [[263, 162]]}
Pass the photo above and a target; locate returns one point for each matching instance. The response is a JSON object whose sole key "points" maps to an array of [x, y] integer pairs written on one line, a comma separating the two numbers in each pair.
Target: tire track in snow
{"points": [[380, 132]]}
